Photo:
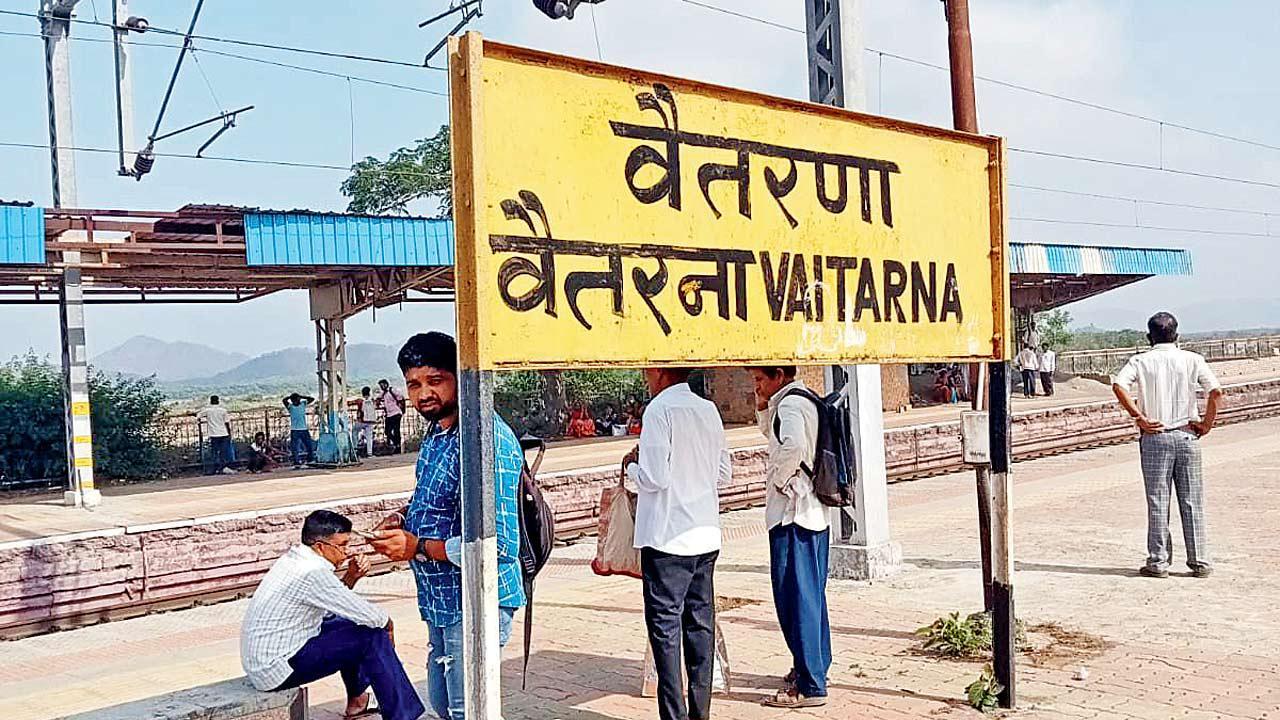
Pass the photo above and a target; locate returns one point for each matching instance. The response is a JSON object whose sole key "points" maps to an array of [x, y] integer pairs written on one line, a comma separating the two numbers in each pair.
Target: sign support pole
{"points": [[994, 486], [475, 397]]}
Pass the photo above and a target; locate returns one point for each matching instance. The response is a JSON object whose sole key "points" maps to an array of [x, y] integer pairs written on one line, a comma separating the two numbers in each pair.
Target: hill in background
{"points": [[142, 356]]}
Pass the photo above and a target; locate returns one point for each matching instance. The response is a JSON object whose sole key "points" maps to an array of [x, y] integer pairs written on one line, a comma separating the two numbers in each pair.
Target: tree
{"points": [[1055, 329], [420, 172], [128, 417]]}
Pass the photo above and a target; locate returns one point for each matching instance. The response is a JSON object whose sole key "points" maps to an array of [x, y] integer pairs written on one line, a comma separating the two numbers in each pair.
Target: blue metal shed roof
{"points": [[21, 235], [273, 238], [1097, 260]]}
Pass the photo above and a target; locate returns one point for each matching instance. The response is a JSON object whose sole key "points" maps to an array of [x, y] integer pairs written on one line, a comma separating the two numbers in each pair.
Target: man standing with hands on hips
{"points": [[428, 533], [676, 469], [1167, 378]]}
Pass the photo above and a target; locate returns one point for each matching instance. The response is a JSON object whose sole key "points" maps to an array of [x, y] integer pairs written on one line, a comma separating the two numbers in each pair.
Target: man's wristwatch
{"points": [[421, 552]]}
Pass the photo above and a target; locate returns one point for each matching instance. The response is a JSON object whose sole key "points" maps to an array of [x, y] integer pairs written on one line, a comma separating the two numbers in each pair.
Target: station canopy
{"points": [[218, 253]]}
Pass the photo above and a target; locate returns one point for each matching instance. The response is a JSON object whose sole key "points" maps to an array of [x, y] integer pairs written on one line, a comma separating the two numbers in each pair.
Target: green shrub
{"points": [[127, 415], [951, 636]]}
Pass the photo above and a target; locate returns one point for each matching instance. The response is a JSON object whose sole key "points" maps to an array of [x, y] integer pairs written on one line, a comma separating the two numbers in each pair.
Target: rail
{"points": [[1107, 361]]}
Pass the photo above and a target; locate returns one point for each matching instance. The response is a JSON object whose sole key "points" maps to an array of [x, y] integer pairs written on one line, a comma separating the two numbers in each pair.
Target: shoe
{"points": [[1201, 571], [1148, 571], [793, 699], [228, 471]]}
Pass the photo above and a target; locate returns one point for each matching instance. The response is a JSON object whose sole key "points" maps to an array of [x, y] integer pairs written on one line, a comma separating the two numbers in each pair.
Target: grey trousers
{"points": [[1171, 463]]}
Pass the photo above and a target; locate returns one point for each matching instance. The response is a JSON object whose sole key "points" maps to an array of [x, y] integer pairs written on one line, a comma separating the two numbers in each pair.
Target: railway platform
{"points": [[1104, 642]]}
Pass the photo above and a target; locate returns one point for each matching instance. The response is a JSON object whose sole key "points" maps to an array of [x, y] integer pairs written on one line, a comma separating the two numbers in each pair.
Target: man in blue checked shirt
{"points": [[428, 534]]}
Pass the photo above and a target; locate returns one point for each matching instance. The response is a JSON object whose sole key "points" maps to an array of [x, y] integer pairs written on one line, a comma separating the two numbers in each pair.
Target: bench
{"points": [[228, 700]]}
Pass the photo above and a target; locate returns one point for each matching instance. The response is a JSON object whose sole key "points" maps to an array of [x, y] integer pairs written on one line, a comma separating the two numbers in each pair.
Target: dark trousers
{"points": [[1046, 382], [1028, 382], [219, 454], [798, 568], [364, 657], [392, 426], [680, 611]]}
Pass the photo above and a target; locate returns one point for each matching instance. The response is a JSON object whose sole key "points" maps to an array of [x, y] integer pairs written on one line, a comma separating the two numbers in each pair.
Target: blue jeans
{"points": [[445, 672], [798, 565], [364, 657], [302, 446]]}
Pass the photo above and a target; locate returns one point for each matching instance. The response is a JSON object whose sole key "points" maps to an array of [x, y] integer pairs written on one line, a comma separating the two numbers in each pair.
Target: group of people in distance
{"points": [[215, 425], [304, 622]]}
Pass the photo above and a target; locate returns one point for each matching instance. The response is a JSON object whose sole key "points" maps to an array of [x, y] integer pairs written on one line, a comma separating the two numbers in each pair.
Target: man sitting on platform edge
{"points": [[304, 624]]}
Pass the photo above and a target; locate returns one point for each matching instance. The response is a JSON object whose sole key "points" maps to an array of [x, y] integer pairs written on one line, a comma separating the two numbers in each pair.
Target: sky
{"points": [[1203, 65]]}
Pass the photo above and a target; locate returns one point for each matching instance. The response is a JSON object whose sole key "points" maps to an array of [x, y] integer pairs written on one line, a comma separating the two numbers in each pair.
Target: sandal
{"points": [[789, 680], [367, 712], [794, 700]]}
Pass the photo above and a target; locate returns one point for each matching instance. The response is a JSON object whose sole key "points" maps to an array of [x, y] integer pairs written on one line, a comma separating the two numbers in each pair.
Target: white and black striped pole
{"points": [[480, 649], [56, 23]]}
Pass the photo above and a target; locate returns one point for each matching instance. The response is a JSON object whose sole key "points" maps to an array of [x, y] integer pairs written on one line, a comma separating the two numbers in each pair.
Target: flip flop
{"points": [[367, 712]]}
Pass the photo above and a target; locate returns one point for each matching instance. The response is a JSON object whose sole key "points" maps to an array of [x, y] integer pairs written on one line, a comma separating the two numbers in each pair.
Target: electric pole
{"points": [[994, 487], [860, 548], [124, 86], [55, 20]]}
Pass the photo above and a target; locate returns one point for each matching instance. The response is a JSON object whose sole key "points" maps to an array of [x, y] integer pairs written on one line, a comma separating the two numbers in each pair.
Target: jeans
{"points": [[445, 672], [798, 569], [680, 613], [301, 446], [219, 454], [364, 436], [1028, 383], [363, 656]]}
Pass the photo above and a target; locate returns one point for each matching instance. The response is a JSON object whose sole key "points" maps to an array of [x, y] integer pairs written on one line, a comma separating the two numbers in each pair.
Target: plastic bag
{"points": [[616, 553], [719, 674]]}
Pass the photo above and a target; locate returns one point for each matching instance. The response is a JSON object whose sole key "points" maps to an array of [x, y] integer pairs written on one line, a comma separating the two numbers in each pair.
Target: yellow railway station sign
{"points": [[612, 217]]}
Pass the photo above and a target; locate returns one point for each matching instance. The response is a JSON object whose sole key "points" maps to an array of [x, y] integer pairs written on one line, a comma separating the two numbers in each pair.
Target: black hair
{"points": [[434, 350], [788, 371], [213, 399], [1162, 328], [322, 524], [681, 374], [365, 390]]}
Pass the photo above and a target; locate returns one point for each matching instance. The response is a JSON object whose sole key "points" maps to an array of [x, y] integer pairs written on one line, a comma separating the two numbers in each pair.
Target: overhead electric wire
{"points": [[248, 58], [1141, 166], [1141, 201], [1006, 83], [1140, 226], [245, 43], [218, 158]]}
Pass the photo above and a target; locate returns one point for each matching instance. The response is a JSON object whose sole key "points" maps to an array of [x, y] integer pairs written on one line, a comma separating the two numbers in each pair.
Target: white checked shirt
{"points": [[1167, 378], [683, 457], [286, 610]]}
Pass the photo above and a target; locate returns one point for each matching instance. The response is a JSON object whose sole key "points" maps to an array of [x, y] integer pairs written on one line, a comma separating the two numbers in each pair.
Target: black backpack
{"points": [[834, 470], [537, 535]]}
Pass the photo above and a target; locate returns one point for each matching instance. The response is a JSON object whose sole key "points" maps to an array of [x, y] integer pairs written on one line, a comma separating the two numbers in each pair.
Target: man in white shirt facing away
{"points": [[367, 415], [798, 537], [1029, 363], [1048, 366], [304, 624], [215, 423], [681, 460], [1167, 414]]}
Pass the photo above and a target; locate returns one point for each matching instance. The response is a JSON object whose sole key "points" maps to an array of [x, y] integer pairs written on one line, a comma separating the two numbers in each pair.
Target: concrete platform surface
{"points": [[1174, 648]]}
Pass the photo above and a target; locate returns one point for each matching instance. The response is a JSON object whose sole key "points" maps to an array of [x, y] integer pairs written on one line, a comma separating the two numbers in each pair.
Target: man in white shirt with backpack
{"points": [[787, 415]]}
